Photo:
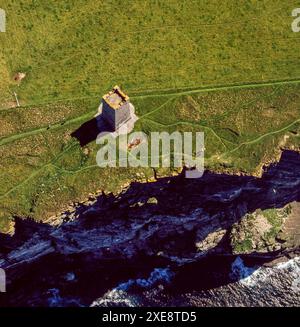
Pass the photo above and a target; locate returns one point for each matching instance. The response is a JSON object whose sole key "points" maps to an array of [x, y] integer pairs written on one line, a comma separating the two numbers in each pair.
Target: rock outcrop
{"points": [[173, 221]]}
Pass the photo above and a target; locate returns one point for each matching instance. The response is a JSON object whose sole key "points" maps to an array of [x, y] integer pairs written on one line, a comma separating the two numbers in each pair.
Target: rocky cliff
{"points": [[172, 222]]}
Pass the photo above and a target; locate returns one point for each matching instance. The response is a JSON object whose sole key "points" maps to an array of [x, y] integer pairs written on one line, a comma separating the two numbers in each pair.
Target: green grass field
{"points": [[230, 69]]}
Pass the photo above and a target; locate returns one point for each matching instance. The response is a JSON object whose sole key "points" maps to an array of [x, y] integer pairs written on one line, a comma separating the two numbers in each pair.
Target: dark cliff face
{"points": [[172, 222]]}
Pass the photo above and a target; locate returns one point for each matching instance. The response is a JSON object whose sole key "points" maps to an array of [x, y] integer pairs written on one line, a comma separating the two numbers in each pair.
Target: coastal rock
{"points": [[191, 220]]}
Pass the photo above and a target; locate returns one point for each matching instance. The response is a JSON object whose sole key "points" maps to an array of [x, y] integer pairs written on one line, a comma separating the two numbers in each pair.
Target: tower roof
{"points": [[116, 98]]}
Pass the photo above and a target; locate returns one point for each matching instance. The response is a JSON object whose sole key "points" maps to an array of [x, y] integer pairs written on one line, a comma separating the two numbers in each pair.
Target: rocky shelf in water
{"points": [[173, 222]]}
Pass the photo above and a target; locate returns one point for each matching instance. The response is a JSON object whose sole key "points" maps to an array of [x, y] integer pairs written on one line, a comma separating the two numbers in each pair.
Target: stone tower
{"points": [[116, 108]]}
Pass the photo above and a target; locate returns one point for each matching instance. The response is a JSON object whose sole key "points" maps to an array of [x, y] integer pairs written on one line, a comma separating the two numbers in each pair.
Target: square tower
{"points": [[116, 108]]}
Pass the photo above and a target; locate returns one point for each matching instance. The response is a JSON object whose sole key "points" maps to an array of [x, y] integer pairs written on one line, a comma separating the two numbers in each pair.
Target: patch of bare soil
{"points": [[19, 77]]}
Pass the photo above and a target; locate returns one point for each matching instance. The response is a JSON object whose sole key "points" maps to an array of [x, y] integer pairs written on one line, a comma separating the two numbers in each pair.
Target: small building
{"points": [[116, 108]]}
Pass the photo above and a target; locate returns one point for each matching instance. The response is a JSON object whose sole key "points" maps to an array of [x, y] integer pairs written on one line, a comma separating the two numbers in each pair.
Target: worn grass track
{"points": [[230, 71]]}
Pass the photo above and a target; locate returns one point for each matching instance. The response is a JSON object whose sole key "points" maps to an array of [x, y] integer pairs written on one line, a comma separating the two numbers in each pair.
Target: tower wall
{"points": [[108, 114], [116, 117], [122, 115]]}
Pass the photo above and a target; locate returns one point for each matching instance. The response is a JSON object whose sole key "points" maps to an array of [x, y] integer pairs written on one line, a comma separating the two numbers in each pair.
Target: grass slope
{"points": [[227, 68], [72, 49]]}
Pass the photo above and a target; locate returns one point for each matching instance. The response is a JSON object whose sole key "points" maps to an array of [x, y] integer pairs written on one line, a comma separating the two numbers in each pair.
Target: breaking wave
{"points": [[252, 276], [119, 295]]}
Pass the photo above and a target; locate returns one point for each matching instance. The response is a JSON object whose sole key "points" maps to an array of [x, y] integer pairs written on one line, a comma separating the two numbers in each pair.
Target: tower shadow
{"points": [[89, 130]]}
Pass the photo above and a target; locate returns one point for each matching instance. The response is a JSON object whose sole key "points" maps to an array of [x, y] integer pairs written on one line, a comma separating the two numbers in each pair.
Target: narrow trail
{"points": [[56, 126], [263, 136], [140, 94], [14, 137], [240, 145], [37, 171], [52, 162], [221, 88]]}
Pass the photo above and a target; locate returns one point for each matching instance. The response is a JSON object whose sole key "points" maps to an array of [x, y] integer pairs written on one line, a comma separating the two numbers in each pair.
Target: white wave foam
{"points": [[251, 276], [157, 275], [119, 295], [55, 299], [115, 298]]}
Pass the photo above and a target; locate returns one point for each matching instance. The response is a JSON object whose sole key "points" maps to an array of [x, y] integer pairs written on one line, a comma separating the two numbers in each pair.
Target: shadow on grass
{"points": [[89, 131]]}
